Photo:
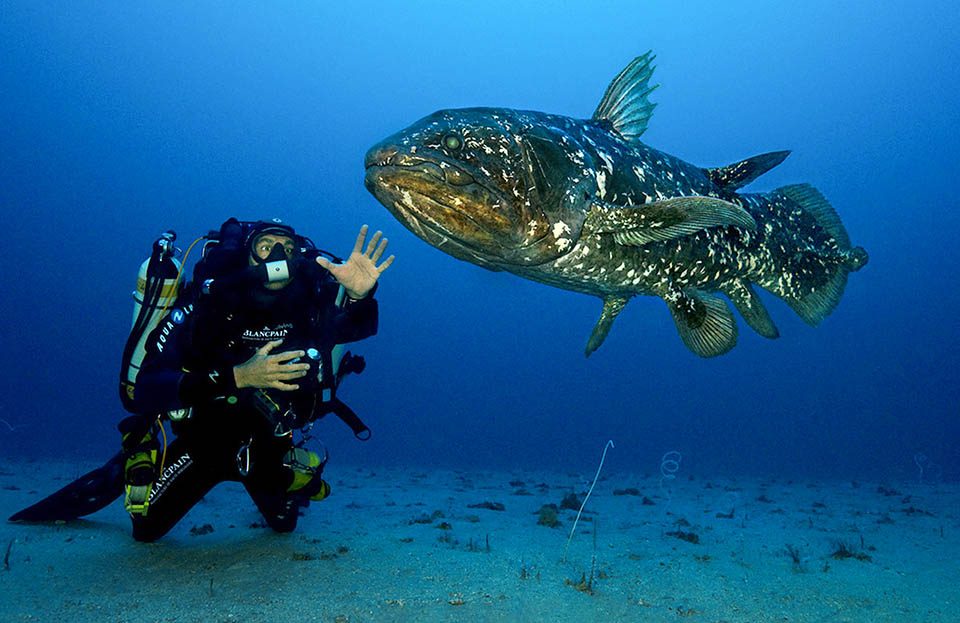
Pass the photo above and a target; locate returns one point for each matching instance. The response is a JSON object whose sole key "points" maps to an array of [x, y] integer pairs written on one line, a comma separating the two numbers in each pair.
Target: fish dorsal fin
{"points": [[739, 174], [625, 104], [664, 220]]}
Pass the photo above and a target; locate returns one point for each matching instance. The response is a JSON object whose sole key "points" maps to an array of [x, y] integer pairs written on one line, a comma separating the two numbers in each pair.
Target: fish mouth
{"points": [[442, 203], [430, 166]]}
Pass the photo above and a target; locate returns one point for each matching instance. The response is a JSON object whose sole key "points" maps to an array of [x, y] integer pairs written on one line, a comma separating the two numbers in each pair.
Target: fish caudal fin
{"points": [[827, 269], [705, 323]]}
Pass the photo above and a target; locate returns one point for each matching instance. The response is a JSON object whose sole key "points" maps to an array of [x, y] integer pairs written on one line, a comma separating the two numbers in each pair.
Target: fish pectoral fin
{"points": [[611, 307], [705, 323], [739, 174], [625, 105], [745, 299], [664, 220]]}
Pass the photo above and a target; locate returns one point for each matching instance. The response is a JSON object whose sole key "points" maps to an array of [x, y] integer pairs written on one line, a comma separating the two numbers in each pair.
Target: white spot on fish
{"points": [[601, 184], [607, 162]]}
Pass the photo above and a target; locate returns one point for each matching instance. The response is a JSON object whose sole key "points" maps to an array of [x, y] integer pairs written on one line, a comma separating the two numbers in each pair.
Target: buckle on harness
{"points": [[243, 459], [136, 499], [285, 424]]}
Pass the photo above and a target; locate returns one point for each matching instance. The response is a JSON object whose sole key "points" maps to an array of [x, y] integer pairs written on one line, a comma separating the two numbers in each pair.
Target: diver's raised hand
{"points": [[264, 370], [360, 272]]}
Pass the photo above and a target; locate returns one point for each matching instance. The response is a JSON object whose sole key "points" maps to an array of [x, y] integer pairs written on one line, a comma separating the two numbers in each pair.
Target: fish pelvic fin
{"points": [[612, 306], [739, 174], [751, 308], [664, 220], [704, 321], [625, 105], [816, 302]]}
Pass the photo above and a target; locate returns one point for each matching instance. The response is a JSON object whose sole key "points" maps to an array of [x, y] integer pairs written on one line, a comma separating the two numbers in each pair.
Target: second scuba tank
{"points": [[157, 291]]}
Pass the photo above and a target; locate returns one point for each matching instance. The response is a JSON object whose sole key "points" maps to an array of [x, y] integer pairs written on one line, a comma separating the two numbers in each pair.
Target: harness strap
{"points": [[336, 406]]}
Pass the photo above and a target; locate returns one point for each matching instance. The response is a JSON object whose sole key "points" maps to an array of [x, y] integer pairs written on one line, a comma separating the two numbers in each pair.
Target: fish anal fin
{"points": [[612, 306], [704, 321], [739, 174], [751, 308], [625, 105], [664, 220]]}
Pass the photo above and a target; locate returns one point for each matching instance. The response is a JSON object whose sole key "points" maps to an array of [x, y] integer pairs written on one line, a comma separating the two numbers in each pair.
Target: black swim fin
{"points": [[83, 496]]}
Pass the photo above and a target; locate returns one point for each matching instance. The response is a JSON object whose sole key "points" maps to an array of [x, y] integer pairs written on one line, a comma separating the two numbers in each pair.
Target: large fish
{"points": [[584, 205]]}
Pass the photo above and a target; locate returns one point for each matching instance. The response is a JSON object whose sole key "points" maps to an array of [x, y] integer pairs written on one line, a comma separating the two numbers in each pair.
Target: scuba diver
{"points": [[252, 354]]}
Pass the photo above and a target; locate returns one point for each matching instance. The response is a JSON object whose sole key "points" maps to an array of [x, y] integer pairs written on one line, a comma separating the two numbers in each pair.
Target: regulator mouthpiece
{"points": [[278, 269]]}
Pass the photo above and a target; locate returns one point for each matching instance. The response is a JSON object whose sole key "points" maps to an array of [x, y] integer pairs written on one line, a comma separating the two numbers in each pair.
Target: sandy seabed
{"points": [[425, 546]]}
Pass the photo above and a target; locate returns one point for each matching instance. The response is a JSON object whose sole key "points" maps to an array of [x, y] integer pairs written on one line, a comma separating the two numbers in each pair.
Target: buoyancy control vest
{"points": [[223, 277]]}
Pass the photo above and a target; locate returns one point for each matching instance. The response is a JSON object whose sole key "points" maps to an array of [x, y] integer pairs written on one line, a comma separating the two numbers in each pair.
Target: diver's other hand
{"points": [[360, 272], [264, 370]]}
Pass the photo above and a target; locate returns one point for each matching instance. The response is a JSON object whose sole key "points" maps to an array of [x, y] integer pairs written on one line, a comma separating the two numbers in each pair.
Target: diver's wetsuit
{"points": [[189, 364]]}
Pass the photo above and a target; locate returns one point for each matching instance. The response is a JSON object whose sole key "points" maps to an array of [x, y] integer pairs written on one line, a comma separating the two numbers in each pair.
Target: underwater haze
{"points": [[121, 120]]}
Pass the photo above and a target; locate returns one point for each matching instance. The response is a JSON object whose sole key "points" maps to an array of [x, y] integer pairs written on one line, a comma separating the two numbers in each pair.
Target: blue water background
{"points": [[120, 120]]}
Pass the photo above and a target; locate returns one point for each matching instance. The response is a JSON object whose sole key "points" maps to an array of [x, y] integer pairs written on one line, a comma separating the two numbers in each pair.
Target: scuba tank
{"points": [[157, 290]]}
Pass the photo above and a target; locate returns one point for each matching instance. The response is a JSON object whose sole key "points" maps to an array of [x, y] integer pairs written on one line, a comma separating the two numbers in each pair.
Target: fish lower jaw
{"points": [[430, 181], [427, 228]]}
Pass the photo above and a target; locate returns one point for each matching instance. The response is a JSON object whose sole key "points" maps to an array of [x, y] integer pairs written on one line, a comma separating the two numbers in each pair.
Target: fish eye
{"points": [[452, 142]]}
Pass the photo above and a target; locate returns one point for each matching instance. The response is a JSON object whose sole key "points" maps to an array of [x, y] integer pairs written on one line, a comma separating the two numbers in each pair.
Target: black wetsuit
{"points": [[189, 365]]}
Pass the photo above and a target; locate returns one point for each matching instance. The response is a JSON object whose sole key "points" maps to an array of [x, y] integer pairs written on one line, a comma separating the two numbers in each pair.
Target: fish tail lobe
{"points": [[817, 282], [856, 258]]}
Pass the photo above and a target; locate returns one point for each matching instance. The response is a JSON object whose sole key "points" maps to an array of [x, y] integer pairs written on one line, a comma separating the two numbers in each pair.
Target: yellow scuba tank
{"points": [[157, 291]]}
